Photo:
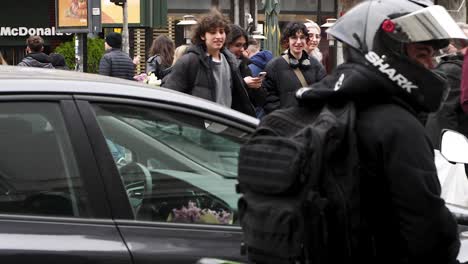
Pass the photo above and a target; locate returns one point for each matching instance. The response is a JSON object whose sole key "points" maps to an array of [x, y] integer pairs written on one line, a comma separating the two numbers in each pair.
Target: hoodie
{"points": [[37, 59], [193, 74], [259, 61]]}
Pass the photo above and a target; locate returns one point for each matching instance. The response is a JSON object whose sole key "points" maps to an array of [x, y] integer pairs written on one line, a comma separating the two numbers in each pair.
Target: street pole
{"points": [[125, 36], [81, 54], [125, 41], [236, 12], [241, 15], [253, 11]]}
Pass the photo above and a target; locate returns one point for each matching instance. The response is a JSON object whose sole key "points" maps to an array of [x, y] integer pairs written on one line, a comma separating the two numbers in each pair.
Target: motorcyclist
{"points": [[388, 50]]}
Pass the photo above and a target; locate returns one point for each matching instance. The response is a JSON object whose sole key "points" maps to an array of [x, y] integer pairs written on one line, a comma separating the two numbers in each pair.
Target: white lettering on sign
{"points": [[25, 31]]}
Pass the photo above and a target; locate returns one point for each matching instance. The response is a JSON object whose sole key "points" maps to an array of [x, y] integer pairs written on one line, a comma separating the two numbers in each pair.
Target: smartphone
{"points": [[262, 75]]}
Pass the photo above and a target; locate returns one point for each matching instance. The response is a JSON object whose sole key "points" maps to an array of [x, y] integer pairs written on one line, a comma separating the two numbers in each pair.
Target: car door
{"points": [[178, 167], [53, 207]]}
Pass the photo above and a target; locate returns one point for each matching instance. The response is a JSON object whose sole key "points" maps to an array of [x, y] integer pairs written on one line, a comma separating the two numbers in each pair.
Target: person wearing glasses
{"points": [[295, 69]]}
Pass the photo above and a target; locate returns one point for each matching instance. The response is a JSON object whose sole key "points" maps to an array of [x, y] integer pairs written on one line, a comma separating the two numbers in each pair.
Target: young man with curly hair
{"points": [[208, 70]]}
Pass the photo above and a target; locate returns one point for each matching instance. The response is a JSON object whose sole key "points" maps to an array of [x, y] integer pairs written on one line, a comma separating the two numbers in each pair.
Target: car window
{"points": [[175, 167], [38, 171]]}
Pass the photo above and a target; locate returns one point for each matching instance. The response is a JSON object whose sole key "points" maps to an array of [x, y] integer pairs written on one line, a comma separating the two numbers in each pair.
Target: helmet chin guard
{"points": [[379, 31]]}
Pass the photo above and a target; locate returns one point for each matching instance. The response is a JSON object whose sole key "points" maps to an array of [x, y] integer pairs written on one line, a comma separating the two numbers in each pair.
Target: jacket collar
{"points": [[200, 50], [112, 50], [40, 57]]}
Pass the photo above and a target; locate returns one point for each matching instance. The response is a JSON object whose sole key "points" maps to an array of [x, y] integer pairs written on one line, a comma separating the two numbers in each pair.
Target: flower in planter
{"points": [[149, 79], [193, 214]]}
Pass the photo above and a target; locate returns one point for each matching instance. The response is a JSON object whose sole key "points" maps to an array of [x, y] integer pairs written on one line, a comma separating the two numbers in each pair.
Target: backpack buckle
{"points": [[243, 249]]}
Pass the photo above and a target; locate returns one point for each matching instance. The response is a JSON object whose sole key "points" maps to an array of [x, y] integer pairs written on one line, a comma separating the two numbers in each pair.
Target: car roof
{"points": [[15, 79]]}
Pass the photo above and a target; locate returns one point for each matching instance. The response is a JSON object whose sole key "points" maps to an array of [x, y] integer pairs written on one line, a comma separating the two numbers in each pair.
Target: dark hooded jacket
{"points": [[193, 74], [36, 59], [259, 61], [450, 115], [403, 219]]}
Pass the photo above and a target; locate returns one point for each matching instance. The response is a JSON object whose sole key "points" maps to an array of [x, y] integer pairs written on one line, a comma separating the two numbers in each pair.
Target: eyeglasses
{"points": [[296, 38]]}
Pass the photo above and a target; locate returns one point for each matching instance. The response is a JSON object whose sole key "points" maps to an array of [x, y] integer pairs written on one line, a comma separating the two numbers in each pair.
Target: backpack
{"points": [[154, 65], [297, 176]]}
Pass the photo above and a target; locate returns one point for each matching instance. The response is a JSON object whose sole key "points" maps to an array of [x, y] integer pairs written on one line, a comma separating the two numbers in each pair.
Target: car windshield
{"points": [[197, 145], [187, 157]]}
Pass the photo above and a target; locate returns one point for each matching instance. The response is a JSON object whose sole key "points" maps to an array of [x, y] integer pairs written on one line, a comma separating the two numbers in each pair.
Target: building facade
{"points": [[457, 8], [21, 18], [238, 10]]}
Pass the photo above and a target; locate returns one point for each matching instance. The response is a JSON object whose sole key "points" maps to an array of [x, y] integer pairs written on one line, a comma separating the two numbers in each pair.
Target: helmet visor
{"points": [[427, 24]]}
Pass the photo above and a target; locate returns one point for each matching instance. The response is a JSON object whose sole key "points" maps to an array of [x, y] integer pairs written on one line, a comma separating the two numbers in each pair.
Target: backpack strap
{"points": [[297, 71]]}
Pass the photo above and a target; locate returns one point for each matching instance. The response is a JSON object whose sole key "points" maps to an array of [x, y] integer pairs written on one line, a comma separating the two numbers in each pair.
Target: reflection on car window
{"points": [[177, 167], [38, 172]]}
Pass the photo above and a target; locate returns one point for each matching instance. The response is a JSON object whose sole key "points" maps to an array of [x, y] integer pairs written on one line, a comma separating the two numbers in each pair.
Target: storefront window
{"points": [[190, 5], [328, 6], [225, 4], [295, 5]]}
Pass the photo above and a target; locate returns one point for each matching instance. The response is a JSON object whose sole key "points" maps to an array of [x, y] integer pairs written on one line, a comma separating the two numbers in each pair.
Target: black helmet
{"points": [[375, 33]]}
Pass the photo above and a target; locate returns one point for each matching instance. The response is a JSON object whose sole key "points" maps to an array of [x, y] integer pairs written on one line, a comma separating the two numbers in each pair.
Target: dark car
{"points": [[102, 170], [98, 170]]}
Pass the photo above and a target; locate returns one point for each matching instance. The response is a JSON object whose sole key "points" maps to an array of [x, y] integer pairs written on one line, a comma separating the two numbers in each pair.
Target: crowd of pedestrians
{"points": [[223, 64]]}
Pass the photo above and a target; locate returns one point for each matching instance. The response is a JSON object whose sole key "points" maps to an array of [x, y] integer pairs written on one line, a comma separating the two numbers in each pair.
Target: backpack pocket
{"points": [[272, 228], [272, 165]]}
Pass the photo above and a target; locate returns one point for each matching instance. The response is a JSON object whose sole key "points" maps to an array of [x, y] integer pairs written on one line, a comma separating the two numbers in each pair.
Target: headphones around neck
{"points": [[295, 63]]}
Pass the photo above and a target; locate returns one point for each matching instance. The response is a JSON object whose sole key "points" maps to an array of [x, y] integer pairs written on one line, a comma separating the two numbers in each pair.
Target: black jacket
{"points": [[39, 60], [281, 83], [257, 96], [450, 115], [116, 63], [193, 74], [402, 217]]}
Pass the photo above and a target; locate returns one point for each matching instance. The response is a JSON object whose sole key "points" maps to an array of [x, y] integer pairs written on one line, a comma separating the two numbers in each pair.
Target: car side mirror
{"points": [[454, 147]]}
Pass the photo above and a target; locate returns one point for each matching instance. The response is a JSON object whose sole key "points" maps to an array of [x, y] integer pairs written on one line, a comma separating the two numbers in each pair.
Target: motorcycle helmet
{"points": [[376, 33]]}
